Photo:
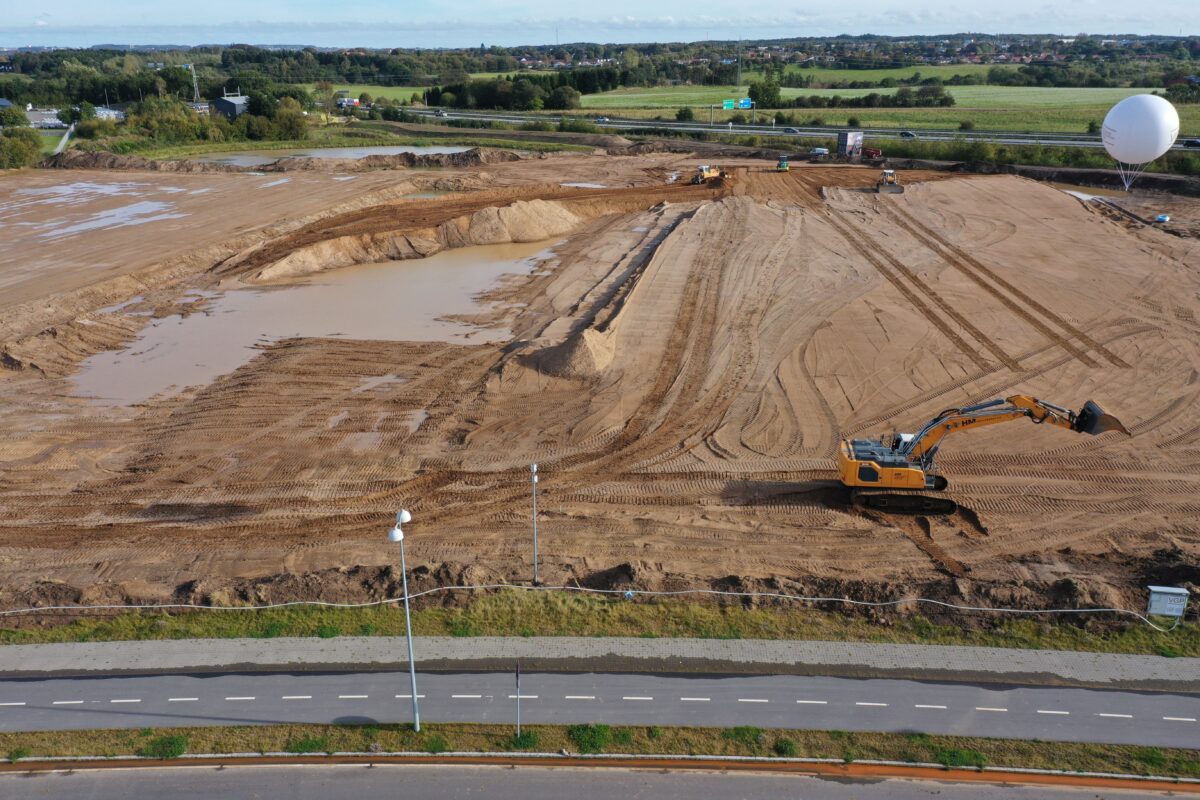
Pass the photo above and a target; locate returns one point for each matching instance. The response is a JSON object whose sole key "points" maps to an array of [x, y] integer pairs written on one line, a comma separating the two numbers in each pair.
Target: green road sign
{"points": [[728, 105]]}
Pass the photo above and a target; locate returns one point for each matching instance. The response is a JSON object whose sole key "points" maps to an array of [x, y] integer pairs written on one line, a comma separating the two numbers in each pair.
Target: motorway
{"points": [[321, 782], [871, 135], [773, 701]]}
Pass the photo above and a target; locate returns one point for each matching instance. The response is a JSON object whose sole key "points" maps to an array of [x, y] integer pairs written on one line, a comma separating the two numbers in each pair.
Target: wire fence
{"points": [[628, 594]]}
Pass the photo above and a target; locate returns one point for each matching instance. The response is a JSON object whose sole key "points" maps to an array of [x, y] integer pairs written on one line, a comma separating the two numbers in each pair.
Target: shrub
{"points": [[743, 734], [1150, 756], [17, 753], [271, 630], [654, 732], [590, 738], [685, 115], [164, 747], [954, 757], [785, 748], [309, 744], [966, 125], [525, 740], [436, 744], [623, 736], [328, 631], [853, 122]]}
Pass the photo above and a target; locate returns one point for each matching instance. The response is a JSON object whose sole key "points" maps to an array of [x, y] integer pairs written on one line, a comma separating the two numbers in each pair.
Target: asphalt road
{"points": [[777, 701], [502, 783]]}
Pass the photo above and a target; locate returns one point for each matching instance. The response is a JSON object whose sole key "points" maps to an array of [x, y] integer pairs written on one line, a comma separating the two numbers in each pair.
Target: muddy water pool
{"points": [[397, 301]]}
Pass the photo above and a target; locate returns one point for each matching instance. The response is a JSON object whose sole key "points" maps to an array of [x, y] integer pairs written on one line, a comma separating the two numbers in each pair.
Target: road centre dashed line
{"points": [[813, 702], [296, 697], [990, 708], [183, 699], [1180, 719], [67, 703], [409, 697], [637, 698], [523, 697], [12, 704], [131, 700], [466, 697], [1051, 711], [878, 705], [1117, 716], [579, 697], [695, 699], [239, 698], [353, 697], [943, 708], [752, 700]]}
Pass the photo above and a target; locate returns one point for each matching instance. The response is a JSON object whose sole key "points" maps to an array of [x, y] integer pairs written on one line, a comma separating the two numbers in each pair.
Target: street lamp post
{"points": [[533, 481], [397, 535]]}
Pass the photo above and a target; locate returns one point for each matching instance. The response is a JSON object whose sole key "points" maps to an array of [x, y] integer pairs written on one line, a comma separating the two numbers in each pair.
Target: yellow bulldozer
{"points": [[889, 183], [705, 174], [891, 474]]}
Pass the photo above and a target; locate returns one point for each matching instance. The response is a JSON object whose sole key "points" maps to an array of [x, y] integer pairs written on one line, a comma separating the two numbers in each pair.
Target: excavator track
{"points": [[903, 503]]}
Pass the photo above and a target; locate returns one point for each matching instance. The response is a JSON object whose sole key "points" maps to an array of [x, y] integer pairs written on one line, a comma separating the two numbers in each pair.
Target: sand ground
{"points": [[681, 370]]}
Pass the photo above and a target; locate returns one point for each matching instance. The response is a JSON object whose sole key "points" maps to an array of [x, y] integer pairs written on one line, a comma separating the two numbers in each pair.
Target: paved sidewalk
{"points": [[747, 656]]}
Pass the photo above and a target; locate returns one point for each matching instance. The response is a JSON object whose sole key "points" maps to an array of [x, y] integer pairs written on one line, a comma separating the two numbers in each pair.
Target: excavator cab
{"points": [[782, 164]]}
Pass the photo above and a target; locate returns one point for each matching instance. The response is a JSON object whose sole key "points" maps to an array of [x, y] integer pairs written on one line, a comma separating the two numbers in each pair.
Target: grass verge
{"points": [[523, 613], [956, 751]]}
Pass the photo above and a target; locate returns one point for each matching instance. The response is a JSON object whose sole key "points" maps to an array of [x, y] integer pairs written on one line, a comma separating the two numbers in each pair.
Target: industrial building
{"points": [[231, 105]]}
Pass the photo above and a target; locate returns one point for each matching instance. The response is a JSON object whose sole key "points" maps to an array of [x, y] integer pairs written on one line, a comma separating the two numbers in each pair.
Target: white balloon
{"points": [[1140, 128]]}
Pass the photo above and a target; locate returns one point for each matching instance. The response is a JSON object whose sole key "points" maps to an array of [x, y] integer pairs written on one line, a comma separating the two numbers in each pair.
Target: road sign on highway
{"points": [[745, 103], [728, 104]]}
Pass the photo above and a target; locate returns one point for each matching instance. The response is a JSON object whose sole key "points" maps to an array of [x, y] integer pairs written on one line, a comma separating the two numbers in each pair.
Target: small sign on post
{"points": [[1167, 601]]}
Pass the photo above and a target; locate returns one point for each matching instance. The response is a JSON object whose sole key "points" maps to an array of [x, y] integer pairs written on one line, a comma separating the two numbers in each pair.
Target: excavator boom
{"points": [[905, 462]]}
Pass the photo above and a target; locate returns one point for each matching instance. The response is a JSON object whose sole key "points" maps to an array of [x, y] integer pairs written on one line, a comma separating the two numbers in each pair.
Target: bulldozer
{"points": [[893, 473], [889, 183], [705, 173], [782, 164]]}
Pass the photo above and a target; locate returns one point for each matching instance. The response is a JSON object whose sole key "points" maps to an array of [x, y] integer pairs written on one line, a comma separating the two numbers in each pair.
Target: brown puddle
{"points": [[396, 300]]}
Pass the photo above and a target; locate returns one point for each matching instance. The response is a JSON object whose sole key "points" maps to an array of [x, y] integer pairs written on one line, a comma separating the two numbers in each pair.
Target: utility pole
{"points": [[518, 699], [739, 63]]}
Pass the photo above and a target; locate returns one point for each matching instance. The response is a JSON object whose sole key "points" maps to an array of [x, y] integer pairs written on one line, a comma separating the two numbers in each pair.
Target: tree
{"points": [[685, 114], [564, 98], [19, 147], [364, 99], [289, 120], [13, 117], [527, 95], [853, 122], [766, 94]]}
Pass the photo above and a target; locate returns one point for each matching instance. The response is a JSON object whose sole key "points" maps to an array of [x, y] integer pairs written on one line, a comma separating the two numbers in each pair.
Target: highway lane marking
{"points": [[125, 701], [12, 704], [814, 702], [183, 699], [1045, 711], [579, 697], [296, 697], [989, 708], [637, 698], [67, 703], [1117, 716], [921, 706], [352, 697], [239, 698], [1180, 719], [466, 696], [752, 700], [409, 697], [879, 705], [523, 697], [695, 699]]}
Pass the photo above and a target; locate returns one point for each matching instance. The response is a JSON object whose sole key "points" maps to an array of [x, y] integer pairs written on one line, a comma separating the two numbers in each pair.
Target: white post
{"points": [[533, 482], [397, 535]]}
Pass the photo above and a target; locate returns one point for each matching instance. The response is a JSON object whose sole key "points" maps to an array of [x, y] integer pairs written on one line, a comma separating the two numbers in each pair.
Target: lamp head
{"points": [[403, 517], [395, 534]]}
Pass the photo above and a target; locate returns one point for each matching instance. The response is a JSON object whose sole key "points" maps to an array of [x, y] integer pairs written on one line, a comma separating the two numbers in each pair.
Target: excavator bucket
{"points": [[1092, 419]]}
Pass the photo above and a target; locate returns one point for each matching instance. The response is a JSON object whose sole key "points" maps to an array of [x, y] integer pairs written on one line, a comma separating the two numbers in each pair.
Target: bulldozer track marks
{"points": [[992, 283]]}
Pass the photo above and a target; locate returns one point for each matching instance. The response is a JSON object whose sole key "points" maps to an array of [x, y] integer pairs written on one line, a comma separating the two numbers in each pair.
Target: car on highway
{"points": [[601, 119], [907, 135], [440, 113], [1191, 142], [791, 130]]}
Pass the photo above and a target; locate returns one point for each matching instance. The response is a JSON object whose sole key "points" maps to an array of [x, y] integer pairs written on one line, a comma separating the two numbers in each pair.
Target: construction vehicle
{"points": [[705, 173], [874, 470], [782, 164], [871, 153], [889, 183]]}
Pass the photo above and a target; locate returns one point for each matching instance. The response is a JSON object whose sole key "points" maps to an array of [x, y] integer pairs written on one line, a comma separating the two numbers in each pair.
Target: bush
{"points": [[743, 734], [966, 125], [590, 738], [19, 147], [271, 630], [328, 631], [623, 736], [853, 122], [436, 744], [654, 732], [685, 115], [953, 757], [17, 753], [1152, 757], [164, 747], [785, 748], [309, 744], [525, 740]]}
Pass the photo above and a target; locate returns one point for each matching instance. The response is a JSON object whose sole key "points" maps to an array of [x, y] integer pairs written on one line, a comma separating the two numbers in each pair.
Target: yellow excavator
{"points": [[889, 183], [875, 470]]}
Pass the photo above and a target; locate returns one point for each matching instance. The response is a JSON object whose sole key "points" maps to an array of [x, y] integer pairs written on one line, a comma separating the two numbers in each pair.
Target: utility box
{"points": [[1167, 601], [850, 144]]}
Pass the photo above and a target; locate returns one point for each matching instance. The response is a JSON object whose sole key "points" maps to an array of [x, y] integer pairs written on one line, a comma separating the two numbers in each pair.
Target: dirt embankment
{"points": [[77, 159], [1100, 178]]}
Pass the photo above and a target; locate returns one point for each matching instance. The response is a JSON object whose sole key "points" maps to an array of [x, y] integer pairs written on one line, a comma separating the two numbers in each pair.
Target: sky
{"points": [[469, 23]]}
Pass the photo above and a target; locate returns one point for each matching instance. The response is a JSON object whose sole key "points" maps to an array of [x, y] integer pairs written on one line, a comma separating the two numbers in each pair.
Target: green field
{"points": [[394, 92], [943, 71]]}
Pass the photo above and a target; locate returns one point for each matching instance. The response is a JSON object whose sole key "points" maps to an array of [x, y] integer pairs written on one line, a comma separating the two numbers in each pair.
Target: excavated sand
{"points": [[681, 372]]}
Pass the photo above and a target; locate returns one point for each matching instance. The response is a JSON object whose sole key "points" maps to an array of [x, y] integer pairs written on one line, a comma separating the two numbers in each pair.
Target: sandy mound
{"points": [[584, 355]]}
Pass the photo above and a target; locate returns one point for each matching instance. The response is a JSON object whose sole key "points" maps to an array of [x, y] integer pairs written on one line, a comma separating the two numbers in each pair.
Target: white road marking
{"points": [[239, 698], [1117, 716], [523, 697], [637, 698], [752, 700], [1060, 713], [12, 704], [1180, 719], [921, 706], [466, 696], [125, 701], [67, 703], [880, 705], [352, 697], [814, 702], [695, 699], [989, 708], [579, 697], [183, 699], [296, 697], [409, 697]]}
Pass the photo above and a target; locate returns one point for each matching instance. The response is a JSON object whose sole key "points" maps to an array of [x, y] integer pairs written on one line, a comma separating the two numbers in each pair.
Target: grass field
{"points": [[958, 751], [521, 613]]}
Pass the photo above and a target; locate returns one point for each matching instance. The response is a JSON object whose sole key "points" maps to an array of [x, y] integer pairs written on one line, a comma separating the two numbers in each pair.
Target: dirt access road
{"points": [[681, 369]]}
